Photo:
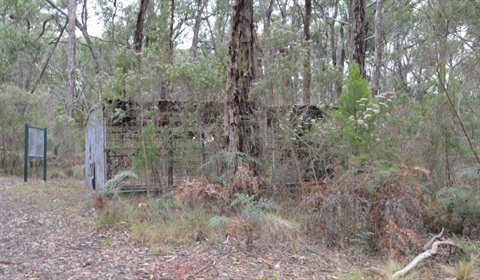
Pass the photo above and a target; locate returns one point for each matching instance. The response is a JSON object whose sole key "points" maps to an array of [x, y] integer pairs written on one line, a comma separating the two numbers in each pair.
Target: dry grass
{"points": [[392, 266], [463, 270], [277, 229], [159, 228]]}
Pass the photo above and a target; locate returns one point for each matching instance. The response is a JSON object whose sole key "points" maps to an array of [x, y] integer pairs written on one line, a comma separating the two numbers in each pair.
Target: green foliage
{"points": [[355, 94], [147, 145], [218, 221], [470, 248], [166, 206], [218, 162], [254, 209], [362, 241], [112, 185], [459, 203], [17, 108], [357, 111]]}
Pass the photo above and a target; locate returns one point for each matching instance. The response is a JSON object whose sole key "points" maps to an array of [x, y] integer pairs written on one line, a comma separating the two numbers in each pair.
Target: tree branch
{"points": [[444, 87], [434, 238], [428, 253], [83, 29], [47, 58]]}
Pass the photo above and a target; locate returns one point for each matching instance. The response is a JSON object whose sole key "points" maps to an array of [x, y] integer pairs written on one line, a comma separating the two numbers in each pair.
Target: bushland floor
{"points": [[49, 231]]}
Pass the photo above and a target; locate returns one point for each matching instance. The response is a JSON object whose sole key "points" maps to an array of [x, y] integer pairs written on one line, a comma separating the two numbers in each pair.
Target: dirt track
{"points": [[47, 232]]}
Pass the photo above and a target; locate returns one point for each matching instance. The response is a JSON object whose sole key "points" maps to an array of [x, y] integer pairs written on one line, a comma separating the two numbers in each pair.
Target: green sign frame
{"points": [[35, 147]]}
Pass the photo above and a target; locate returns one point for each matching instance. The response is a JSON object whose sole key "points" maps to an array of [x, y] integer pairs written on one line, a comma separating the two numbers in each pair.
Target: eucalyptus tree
{"points": [[377, 60], [25, 31], [357, 34], [241, 72], [72, 41]]}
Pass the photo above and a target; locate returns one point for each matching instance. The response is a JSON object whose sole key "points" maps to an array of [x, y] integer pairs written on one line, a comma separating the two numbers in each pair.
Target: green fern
{"points": [[361, 242], [112, 185], [218, 220], [165, 207], [252, 208]]}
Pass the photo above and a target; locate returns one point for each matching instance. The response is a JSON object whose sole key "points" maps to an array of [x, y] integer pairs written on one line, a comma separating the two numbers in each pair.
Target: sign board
{"points": [[35, 146], [36, 142]]}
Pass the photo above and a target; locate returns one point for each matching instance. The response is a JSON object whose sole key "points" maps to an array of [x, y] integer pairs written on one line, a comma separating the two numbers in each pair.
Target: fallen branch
{"points": [[434, 238], [428, 253]]}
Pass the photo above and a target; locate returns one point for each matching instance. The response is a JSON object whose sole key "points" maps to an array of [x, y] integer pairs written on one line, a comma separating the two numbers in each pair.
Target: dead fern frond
{"points": [[201, 191], [398, 240], [99, 203], [245, 181]]}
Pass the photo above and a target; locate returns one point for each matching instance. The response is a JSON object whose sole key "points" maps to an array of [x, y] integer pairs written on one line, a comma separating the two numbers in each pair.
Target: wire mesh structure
{"points": [[163, 143], [167, 142]]}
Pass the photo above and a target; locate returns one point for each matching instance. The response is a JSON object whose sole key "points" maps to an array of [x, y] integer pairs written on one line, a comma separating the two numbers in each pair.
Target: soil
{"points": [[48, 231]]}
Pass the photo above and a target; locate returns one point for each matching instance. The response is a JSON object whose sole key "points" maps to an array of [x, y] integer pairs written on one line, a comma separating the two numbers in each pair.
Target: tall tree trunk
{"points": [[70, 88], [357, 34], [196, 29], [266, 13], [170, 35], [171, 138], [340, 62], [138, 33], [333, 48], [333, 38], [241, 72], [83, 29], [377, 60], [307, 70], [18, 73]]}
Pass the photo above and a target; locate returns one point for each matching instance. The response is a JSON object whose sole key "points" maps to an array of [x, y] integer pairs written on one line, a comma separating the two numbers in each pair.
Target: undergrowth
{"points": [[375, 209]]}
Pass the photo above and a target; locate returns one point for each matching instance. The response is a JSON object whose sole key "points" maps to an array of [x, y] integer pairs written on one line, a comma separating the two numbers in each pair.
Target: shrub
{"points": [[387, 204]]}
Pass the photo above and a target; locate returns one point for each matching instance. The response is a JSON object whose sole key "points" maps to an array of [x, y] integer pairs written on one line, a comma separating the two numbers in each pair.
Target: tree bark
{"points": [[196, 29], [72, 41], [340, 63], [138, 33], [307, 70], [241, 72], [357, 34], [170, 35], [266, 13], [377, 60]]}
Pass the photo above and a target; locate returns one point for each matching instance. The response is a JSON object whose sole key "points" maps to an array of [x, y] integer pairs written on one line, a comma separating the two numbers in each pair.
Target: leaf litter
{"points": [[50, 233]]}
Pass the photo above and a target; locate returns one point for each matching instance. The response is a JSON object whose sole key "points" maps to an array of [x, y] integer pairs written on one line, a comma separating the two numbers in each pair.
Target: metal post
{"points": [[45, 155], [25, 159]]}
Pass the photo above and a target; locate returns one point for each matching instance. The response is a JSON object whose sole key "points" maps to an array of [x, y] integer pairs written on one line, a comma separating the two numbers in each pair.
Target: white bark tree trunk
{"points": [[377, 60], [72, 41]]}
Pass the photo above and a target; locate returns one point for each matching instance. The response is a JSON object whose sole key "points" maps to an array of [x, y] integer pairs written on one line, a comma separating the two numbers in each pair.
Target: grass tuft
{"points": [[463, 270]]}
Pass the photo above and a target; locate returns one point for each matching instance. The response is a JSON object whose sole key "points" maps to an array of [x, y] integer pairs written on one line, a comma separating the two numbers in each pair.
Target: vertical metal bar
{"points": [[25, 159], [45, 154]]}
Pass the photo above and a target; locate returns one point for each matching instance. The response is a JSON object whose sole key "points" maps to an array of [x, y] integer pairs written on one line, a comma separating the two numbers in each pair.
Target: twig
{"points": [[9, 262]]}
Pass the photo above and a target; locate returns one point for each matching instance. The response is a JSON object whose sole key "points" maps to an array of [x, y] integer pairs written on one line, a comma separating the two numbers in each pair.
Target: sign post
{"points": [[35, 146]]}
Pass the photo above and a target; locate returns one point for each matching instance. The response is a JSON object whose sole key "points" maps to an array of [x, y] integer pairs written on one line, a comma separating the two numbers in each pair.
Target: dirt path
{"points": [[48, 231]]}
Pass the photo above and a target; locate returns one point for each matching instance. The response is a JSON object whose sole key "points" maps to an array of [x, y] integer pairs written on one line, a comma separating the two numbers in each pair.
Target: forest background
{"points": [[374, 105]]}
